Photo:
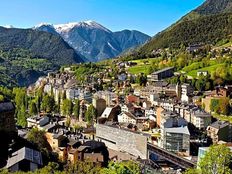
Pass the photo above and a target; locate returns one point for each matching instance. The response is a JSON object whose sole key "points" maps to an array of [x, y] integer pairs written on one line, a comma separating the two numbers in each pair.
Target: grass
{"points": [[210, 69], [141, 67], [192, 69], [222, 117], [138, 69], [29, 63]]}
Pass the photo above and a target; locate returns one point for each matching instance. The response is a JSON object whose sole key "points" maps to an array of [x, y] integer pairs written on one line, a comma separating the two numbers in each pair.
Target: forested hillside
{"points": [[208, 24], [206, 29], [27, 54]]}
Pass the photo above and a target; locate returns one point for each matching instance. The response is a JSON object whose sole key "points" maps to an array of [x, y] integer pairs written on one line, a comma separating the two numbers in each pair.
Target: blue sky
{"points": [[148, 16]]}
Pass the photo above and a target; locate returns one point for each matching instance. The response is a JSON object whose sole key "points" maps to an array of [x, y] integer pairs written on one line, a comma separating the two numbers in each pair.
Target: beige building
{"points": [[55, 142], [207, 101], [73, 156], [219, 131]]}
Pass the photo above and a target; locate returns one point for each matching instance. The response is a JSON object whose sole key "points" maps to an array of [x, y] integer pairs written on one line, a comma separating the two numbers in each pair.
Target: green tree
{"points": [[77, 127], [37, 137], [128, 167], [150, 69], [215, 161], [32, 108], [183, 79], [58, 103], [68, 122], [39, 98], [200, 84], [22, 117], [48, 104], [21, 106], [214, 105], [207, 86], [76, 108], [220, 106], [83, 168], [224, 104], [20, 97], [1, 98], [141, 79], [90, 114], [67, 107]]}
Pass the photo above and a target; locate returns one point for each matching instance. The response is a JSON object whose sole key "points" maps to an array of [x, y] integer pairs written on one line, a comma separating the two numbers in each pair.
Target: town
{"points": [[116, 87], [162, 126]]}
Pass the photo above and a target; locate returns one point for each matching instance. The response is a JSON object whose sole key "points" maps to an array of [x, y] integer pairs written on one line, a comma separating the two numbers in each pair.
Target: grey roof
{"points": [[161, 84], [25, 154], [200, 113], [129, 114], [72, 142], [219, 124], [57, 136], [6, 106], [162, 70], [180, 130], [170, 114], [49, 126]]}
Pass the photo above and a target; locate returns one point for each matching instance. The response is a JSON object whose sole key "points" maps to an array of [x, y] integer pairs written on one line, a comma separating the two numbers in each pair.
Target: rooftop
{"points": [[6, 106], [219, 124], [25, 153], [179, 130], [201, 113], [163, 70]]}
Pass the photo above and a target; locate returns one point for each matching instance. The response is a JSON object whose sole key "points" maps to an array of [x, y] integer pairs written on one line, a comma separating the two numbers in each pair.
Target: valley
{"points": [[81, 98]]}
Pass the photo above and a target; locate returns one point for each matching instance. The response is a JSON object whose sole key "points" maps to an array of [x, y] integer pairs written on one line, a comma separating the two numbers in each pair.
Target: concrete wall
{"points": [[122, 140]]}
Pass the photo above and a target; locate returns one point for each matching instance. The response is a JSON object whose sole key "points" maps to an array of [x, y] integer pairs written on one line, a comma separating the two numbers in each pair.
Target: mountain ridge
{"points": [[27, 54], [210, 7], [196, 27], [93, 40]]}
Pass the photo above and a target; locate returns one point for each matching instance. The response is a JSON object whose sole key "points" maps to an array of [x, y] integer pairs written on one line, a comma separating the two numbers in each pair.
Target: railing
{"points": [[170, 157]]}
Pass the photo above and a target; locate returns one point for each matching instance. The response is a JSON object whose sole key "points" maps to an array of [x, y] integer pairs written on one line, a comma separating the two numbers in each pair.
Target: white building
{"points": [[166, 104], [151, 114], [171, 119], [200, 119], [127, 117], [72, 93], [202, 73], [37, 121], [186, 92]]}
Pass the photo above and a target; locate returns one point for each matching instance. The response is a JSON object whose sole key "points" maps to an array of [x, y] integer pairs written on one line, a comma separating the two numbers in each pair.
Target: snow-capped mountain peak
{"points": [[43, 24], [62, 28], [8, 26]]}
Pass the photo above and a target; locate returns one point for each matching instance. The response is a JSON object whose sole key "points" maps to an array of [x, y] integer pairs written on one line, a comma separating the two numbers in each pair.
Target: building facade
{"points": [[122, 140], [7, 121], [162, 74], [176, 140]]}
